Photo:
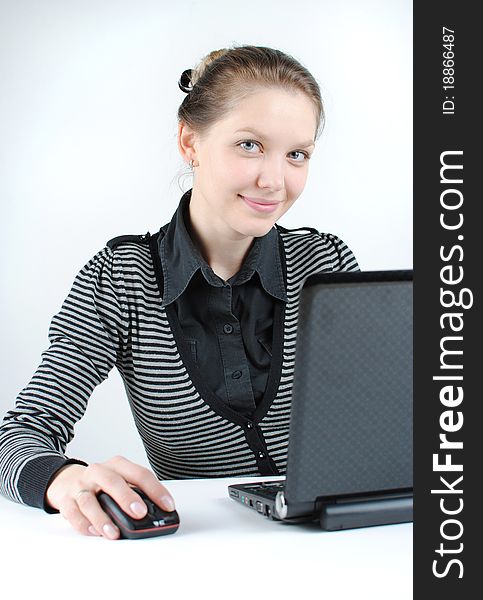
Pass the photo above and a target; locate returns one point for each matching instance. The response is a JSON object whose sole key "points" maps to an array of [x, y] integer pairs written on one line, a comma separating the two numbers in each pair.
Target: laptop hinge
{"points": [[365, 510]]}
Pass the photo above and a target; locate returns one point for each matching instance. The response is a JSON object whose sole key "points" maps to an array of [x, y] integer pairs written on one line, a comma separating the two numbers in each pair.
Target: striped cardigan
{"points": [[112, 316]]}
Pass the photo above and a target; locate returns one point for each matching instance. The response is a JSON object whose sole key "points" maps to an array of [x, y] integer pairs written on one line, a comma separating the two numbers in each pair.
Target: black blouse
{"points": [[227, 325]]}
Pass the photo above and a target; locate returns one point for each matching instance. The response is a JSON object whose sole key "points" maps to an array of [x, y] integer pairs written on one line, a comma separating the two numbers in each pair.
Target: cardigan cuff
{"points": [[36, 476]]}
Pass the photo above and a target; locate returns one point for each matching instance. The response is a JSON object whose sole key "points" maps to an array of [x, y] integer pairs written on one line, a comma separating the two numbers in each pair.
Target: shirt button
{"points": [[227, 328], [236, 374], [261, 455], [249, 425]]}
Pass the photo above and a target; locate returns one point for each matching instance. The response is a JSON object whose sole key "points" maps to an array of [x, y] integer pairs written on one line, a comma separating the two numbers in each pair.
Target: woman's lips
{"points": [[265, 208]]}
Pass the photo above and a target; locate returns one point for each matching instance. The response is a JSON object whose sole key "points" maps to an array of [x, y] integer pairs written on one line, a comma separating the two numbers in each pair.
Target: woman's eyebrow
{"points": [[260, 135]]}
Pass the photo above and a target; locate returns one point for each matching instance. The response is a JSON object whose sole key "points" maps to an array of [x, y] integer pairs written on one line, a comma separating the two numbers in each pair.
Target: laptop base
{"points": [[330, 513]]}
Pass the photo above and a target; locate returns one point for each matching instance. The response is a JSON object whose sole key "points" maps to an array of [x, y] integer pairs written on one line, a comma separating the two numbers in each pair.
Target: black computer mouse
{"points": [[156, 522]]}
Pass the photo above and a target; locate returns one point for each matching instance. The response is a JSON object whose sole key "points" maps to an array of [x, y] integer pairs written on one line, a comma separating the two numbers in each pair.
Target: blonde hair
{"points": [[224, 77]]}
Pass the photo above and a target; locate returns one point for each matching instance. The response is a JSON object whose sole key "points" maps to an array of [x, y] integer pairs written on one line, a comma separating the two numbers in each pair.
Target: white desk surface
{"points": [[221, 550]]}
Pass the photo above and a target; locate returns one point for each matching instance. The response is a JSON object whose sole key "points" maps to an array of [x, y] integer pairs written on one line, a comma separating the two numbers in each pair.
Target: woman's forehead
{"points": [[262, 112]]}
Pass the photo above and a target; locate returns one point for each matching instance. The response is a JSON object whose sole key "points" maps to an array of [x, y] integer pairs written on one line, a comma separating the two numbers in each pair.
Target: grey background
{"points": [[88, 149]]}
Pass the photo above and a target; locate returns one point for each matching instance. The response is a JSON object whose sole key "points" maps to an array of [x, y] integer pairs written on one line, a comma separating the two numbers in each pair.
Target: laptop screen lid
{"points": [[351, 415]]}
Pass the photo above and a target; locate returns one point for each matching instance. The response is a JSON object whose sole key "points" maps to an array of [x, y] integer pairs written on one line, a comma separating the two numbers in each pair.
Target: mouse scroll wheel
{"points": [[151, 507]]}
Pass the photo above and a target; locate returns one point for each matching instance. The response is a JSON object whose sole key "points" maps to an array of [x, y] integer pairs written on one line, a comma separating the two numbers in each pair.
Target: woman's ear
{"points": [[187, 142]]}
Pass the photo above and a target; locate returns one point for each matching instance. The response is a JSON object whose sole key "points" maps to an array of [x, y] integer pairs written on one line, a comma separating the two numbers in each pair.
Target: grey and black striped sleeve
{"points": [[86, 339], [346, 259]]}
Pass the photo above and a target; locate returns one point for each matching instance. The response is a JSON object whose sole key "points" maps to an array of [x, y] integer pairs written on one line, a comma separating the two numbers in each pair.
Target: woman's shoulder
{"points": [[130, 250], [285, 230], [310, 232], [328, 243], [122, 239]]}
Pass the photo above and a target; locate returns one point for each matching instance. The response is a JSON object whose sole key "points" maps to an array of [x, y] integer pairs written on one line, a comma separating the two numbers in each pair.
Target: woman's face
{"points": [[258, 152]]}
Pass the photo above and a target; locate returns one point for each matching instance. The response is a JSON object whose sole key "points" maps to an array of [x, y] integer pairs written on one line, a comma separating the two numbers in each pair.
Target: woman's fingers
{"points": [[106, 478], [91, 509], [71, 511], [142, 478]]}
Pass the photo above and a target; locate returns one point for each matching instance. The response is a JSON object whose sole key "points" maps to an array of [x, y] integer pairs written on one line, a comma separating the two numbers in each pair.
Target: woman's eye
{"points": [[302, 155], [249, 142]]}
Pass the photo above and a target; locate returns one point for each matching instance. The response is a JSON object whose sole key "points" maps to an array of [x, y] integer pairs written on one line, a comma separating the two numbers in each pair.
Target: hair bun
{"points": [[184, 82]]}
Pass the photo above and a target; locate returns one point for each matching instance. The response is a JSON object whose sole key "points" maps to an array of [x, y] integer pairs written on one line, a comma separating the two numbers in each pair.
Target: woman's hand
{"points": [[73, 493]]}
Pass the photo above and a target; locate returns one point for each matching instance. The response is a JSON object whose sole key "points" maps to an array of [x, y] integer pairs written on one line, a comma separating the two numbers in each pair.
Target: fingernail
{"points": [[138, 509], [93, 530], [110, 531], [168, 502]]}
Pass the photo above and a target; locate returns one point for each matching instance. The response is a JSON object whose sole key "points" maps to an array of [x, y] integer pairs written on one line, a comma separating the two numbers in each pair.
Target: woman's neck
{"points": [[223, 249]]}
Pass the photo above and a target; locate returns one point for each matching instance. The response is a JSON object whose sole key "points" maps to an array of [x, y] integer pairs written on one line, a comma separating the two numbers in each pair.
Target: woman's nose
{"points": [[272, 175]]}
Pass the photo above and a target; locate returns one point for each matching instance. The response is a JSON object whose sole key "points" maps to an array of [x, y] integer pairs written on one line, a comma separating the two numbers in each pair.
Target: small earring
{"points": [[191, 163]]}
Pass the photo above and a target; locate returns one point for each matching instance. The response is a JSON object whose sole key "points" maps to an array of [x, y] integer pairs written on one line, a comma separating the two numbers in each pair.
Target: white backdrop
{"points": [[88, 148]]}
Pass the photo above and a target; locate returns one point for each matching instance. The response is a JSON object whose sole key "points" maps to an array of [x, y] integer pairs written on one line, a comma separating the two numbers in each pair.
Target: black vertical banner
{"points": [[448, 330]]}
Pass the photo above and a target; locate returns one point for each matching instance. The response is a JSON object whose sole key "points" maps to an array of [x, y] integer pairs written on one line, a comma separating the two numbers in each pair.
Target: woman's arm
{"points": [[86, 339]]}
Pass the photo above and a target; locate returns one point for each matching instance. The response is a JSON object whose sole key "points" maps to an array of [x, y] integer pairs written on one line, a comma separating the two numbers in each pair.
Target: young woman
{"points": [[199, 318]]}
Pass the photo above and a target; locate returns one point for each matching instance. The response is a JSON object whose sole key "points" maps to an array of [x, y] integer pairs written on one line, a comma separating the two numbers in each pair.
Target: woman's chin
{"points": [[254, 229]]}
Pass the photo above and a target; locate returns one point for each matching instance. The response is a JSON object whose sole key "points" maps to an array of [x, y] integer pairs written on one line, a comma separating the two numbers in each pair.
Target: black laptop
{"points": [[349, 461]]}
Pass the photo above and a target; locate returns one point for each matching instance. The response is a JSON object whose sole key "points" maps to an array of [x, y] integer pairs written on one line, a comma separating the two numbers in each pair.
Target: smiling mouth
{"points": [[259, 201]]}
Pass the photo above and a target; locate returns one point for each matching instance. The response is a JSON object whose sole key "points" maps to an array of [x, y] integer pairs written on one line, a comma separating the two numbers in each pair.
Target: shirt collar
{"points": [[181, 259]]}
